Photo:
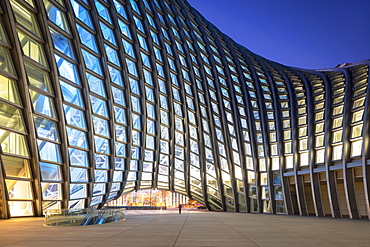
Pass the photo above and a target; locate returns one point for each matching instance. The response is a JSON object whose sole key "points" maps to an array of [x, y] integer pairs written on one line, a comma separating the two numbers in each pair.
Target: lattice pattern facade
{"points": [[100, 98]]}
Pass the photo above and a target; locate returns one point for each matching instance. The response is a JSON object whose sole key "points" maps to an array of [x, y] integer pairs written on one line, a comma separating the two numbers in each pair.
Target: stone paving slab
{"points": [[191, 228]]}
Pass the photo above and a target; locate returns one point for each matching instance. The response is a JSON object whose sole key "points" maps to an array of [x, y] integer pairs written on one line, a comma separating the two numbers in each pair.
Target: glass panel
{"points": [[8, 89], [67, 69], [16, 167], [135, 104], [96, 200], [25, 18], [82, 14], [78, 174], [74, 117], [38, 78], [71, 94], [124, 28], [120, 9], [120, 149], [13, 143], [136, 123], [2, 34], [101, 161], [121, 133], [112, 55], [92, 62], [356, 148], [18, 208], [101, 145], [102, 11], [32, 49], [117, 176], [56, 16], [10, 117], [77, 191], [101, 176], [19, 189], [99, 189], [49, 151], [50, 172], [107, 33], [119, 164], [98, 106], [118, 97], [51, 205], [119, 114], [62, 43], [131, 67], [78, 157], [115, 76], [51, 191], [6, 64], [42, 104], [95, 85], [101, 126], [87, 38], [77, 138]]}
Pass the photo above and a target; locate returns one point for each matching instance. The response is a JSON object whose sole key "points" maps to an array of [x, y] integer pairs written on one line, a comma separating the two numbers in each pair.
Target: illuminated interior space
{"points": [[153, 199]]}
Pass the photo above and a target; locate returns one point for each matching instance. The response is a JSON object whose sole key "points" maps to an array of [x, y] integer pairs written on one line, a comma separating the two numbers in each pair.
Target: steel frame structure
{"points": [[101, 98]]}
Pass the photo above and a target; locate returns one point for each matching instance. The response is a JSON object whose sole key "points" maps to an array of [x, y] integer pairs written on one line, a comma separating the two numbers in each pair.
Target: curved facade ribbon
{"points": [[101, 98]]}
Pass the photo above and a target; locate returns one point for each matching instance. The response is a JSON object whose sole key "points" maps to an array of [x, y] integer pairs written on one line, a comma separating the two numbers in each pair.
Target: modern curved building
{"points": [[99, 98]]}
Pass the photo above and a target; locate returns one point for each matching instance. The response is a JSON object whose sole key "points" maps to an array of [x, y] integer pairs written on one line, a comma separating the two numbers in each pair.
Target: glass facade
{"points": [[102, 98]]}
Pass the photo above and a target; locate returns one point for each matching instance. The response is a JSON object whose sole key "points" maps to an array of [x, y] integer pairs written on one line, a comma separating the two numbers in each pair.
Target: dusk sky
{"points": [[310, 34]]}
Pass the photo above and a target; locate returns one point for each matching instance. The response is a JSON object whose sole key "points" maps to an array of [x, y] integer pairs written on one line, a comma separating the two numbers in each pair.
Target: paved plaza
{"points": [[192, 228]]}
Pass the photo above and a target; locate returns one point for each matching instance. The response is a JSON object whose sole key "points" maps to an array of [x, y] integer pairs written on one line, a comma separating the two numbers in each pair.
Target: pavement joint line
{"points": [[236, 231], [122, 222], [187, 216]]}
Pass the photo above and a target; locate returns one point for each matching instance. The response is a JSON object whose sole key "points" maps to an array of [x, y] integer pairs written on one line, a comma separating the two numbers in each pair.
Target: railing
{"points": [[83, 217]]}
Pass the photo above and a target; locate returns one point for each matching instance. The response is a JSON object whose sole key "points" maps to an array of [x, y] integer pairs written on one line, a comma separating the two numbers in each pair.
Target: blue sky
{"points": [[310, 34]]}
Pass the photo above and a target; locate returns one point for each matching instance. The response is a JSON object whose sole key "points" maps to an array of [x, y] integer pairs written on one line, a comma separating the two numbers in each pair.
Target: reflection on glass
{"points": [[76, 204], [98, 106], [101, 176]]}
